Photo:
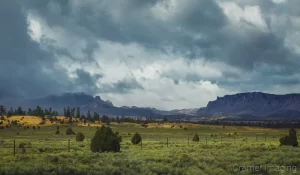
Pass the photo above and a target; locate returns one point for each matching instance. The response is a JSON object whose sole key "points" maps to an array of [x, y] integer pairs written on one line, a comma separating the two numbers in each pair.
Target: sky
{"points": [[167, 54]]}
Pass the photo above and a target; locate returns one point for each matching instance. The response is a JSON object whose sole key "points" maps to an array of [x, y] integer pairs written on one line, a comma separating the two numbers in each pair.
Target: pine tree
{"points": [[19, 111], [196, 138], [96, 116], [106, 140], [88, 116], [65, 112], [73, 112], [68, 112], [78, 112], [29, 111]]}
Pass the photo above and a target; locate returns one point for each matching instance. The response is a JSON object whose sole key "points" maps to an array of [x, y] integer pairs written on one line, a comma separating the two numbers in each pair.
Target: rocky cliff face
{"points": [[254, 104]]}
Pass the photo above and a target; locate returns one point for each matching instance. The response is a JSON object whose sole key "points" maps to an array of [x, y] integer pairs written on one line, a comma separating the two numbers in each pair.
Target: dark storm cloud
{"points": [[86, 81], [26, 70], [196, 29], [121, 86], [22, 60]]}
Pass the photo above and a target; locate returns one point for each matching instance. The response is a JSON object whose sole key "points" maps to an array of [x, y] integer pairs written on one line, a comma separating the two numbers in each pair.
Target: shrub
{"points": [[57, 132], [33, 127], [105, 140], [144, 125], [23, 147], [185, 128], [42, 122], [79, 137], [69, 131], [136, 139], [2, 127], [196, 138], [291, 139]]}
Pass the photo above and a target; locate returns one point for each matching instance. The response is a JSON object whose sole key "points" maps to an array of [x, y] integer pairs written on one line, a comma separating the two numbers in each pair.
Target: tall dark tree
{"points": [[19, 111], [105, 119], [73, 112], [50, 111], [88, 116], [2, 110], [77, 112], [65, 112], [47, 112], [68, 112], [96, 116], [29, 111]]}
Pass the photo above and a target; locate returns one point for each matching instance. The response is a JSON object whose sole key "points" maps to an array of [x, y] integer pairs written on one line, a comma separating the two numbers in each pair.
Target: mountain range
{"points": [[256, 105]]}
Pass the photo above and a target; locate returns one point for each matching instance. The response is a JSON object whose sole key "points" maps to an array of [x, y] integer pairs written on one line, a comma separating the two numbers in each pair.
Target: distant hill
{"points": [[254, 104], [85, 102]]}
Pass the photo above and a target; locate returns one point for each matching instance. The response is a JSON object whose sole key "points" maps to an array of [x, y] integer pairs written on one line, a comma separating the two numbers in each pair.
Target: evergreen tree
{"points": [[65, 112], [2, 110], [105, 119], [19, 111], [9, 114], [73, 112], [79, 137], [136, 139], [47, 112], [29, 111], [106, 140], [88, 116], [96, 116], [78, 112], [50, 111], [196, 138], [68, 112]]}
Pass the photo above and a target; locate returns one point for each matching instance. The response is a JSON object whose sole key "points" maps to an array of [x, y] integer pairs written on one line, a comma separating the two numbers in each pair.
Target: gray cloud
{"points": [[28, 71], [121, 86], [194, 29]]}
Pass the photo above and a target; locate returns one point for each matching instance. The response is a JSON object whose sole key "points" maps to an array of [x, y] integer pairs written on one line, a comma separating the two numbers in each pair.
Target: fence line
{"points": [[47, 145]]}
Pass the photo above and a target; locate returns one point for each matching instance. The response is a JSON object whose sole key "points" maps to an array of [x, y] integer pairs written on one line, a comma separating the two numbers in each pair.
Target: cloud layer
{"points": [[158, 53]]}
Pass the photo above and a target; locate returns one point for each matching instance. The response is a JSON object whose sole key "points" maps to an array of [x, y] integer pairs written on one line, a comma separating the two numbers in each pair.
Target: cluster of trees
{"points": [[265, 124], [38, 111]]}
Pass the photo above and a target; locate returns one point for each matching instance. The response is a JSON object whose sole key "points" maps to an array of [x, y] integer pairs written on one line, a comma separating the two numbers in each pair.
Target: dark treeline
{"points": [[72, 115], [265, 123], [38, 111], [75, 115]]}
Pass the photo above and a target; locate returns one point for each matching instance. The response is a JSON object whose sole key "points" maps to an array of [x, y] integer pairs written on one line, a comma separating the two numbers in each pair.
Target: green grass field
{"points": [[230, 149]]}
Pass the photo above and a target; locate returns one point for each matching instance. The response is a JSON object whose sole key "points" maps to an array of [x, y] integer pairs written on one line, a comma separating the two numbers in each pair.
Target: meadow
{"points": [[164, 150]]}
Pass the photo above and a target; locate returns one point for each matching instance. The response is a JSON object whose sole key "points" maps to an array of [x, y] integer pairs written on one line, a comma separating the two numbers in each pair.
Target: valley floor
{"points": [[164, 150]]}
